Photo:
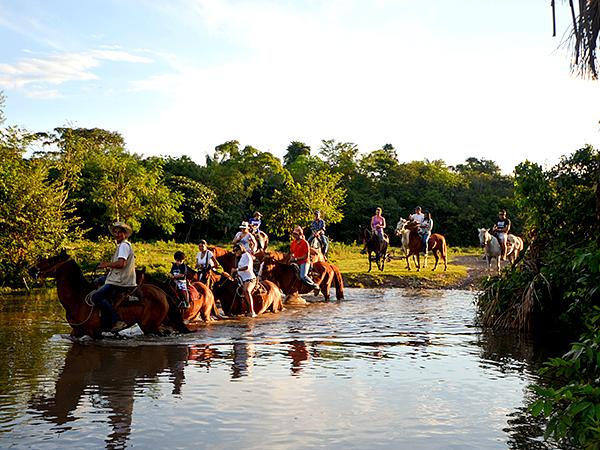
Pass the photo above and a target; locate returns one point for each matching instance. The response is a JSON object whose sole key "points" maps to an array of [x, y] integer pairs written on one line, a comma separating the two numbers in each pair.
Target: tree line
{"points": [[69, 183]]}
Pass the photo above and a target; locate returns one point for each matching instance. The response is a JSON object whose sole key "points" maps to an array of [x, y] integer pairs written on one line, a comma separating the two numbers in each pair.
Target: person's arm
{"points": [[118, 264], [215, 262], [304, 256], [383, 225]]}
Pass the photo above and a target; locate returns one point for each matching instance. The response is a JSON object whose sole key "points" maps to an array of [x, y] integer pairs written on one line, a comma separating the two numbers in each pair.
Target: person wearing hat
{"points": [[317, 231], [245, 238], [500, 230], [246, 275], [120, 278], [254, 223], [205, 260], [300, 254]]}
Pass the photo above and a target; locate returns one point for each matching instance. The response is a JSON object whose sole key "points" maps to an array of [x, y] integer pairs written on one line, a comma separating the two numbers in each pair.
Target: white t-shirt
{"points": [[417, 218], [246, 261], [204, 262]]}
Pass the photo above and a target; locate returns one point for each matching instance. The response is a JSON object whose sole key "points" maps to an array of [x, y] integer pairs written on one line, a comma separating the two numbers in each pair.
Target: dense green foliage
{"points": [[74, 181], [556, 286]]}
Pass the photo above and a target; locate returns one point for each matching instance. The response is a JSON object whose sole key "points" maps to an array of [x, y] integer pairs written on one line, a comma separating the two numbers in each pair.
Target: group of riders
{"points": [[247, 241]]}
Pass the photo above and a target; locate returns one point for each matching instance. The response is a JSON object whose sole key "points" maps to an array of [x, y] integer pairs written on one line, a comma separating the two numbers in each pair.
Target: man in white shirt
{"points": [[246, 275]]}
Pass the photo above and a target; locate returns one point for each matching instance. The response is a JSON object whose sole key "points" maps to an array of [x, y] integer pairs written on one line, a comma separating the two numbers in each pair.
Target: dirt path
{"points": [[475, 273]]}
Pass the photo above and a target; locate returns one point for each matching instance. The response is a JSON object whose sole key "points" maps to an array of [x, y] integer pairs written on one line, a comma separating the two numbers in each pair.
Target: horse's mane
{"points": [[219, 251]]}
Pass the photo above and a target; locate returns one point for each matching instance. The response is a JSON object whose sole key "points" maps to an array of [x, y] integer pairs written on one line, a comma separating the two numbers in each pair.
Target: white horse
{"points": [[514, 245], [405, 237]]}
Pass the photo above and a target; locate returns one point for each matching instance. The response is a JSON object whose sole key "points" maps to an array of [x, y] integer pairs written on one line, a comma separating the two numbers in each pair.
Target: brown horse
{"points": [[226, 258], [150, 312], [202, 301], [376, 249], [267, 297], [286, 276], [436, 245]]}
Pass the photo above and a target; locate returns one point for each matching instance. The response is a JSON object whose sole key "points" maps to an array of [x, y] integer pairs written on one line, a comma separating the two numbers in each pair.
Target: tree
{"points": [[295, 150], [583, 37]]}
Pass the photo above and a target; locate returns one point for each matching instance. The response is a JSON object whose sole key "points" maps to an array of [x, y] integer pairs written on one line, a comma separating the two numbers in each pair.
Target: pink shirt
{"points": [[377, 222]]}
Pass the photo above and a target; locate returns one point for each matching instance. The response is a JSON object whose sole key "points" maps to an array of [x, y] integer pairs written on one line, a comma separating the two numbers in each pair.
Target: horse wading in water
{"points": [[266, 297], [492, 249], [150, 311], [375, 247], [412, 245], [276, 267]]}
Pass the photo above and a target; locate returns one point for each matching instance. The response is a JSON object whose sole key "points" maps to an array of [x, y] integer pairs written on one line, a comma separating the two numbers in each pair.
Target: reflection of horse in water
{"points": [[150, 311], [376, 247], [114, 375]]}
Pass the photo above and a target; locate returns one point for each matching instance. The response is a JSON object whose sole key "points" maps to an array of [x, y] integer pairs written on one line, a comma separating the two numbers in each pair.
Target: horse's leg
{"points": [[435, 255], [408, 261], [369, 256]]}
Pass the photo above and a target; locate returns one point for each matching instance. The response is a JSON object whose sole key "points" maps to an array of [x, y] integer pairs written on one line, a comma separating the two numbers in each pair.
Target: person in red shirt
{"points": [[300, 253]]}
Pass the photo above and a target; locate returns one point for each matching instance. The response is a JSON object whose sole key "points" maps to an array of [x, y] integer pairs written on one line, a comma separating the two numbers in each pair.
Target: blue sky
{"points": [[438, 80]]}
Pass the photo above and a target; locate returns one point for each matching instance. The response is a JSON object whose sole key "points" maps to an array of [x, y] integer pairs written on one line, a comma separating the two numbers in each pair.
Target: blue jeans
{"points": [[424, 239], [304, 268], [323, 240], [102, 298]]}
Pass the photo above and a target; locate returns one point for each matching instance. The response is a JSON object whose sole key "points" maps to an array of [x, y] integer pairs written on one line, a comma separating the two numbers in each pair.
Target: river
{"points": [[385, 368]]}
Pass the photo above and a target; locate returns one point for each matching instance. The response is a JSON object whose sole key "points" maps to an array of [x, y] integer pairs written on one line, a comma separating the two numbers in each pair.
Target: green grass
{"points": [[156, 257]]}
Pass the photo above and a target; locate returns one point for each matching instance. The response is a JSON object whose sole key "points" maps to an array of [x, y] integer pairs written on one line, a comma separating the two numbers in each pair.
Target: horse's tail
{"points": [[175, 317], [339, 283]]}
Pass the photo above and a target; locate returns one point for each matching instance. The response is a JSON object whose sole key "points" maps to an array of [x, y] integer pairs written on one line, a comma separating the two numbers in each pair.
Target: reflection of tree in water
{"points": [[514, 353], [109, 376]]}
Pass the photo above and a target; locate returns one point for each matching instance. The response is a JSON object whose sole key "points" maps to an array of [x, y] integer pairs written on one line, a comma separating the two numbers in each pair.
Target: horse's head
{"points": [[484, 236], [47, 267], [400, 226]]}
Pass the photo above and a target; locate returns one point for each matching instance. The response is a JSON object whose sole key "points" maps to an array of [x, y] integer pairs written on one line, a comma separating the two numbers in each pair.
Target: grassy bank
{"points": [[157, 257]]}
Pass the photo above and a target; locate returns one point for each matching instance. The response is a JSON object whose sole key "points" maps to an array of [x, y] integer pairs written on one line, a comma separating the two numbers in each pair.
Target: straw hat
{"points": [[298, 230], [244, 225], [123, 226]]}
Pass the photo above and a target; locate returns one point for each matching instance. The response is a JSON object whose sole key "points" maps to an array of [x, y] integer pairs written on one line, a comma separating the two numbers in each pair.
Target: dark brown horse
{"points": [[286, 276], [375, 247], [267, 297], [436, 245], [202, 301], [150, 312]]}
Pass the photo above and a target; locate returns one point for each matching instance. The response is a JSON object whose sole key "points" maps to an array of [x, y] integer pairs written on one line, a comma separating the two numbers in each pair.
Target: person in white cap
{"points": [[120, 278], [245, 238]]}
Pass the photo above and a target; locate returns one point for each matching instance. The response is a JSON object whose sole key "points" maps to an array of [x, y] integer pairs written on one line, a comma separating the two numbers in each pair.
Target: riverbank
{"points": [[464, 272]]}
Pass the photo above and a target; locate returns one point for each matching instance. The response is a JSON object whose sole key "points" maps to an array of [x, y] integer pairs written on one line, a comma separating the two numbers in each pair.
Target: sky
{"points": [[442, 79]]}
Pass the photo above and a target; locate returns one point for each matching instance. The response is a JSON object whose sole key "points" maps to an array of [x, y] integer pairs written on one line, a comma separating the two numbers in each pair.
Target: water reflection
{"points": [[109, 377]]}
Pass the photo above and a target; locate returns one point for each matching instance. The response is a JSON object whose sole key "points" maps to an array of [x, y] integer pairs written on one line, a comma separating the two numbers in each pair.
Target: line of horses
{"points": [[155, 307]]}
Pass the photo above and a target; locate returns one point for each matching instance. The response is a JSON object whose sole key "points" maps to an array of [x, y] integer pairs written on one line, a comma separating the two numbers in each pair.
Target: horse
{"points": [[267, 296], [492, 249], [376, 249], [412, 245], [286, 276], [202, 300], [264, 237], [226, 258], [150, 312]]}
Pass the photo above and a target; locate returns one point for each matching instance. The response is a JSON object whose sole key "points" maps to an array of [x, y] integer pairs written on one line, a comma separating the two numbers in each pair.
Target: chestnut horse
{"points": [[286, 276], [436, 244], [376, 249], [226, 258], [202, 300], [267, 296], [150, 312]]}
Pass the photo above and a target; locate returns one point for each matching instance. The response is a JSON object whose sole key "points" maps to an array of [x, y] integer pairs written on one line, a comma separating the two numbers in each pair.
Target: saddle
{"points": [[132, 296], [312, 273]]}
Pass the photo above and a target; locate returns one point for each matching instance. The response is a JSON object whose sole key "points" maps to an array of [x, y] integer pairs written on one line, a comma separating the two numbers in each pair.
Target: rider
{"points": [[417, 216], [178, 274], [246, 275], [245, 238], [254, 224], [317, 230], [425, 230], [300, 254], [500, 230], [205, 261], [120, 278], [377, 228]]}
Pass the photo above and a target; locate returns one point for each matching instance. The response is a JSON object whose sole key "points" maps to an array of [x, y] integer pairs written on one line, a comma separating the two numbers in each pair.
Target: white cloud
{"points": [[60, 68]]}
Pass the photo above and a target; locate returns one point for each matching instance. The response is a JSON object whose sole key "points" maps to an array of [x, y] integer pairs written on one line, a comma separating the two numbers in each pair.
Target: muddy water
{"points": [[382, 369]]}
